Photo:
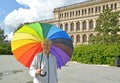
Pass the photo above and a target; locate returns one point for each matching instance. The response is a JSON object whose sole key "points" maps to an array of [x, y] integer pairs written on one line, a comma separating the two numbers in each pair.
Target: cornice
{"points": [[80, 5]]}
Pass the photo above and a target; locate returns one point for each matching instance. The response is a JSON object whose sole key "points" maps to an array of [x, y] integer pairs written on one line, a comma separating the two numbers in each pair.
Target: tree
{"points": [[2, 36], [107, 27]]}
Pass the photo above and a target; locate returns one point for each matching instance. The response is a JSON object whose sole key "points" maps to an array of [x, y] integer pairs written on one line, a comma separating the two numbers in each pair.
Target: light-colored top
{"points": [[48, 65]]}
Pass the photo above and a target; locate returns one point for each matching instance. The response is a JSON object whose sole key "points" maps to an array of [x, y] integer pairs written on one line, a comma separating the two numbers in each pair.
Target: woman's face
{"points": [[46, 47]]}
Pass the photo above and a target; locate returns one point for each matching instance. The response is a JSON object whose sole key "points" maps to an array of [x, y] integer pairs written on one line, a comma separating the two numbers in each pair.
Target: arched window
{"points": [[82, 11], [76, 13], [91, 35], [115, 6], [84, 25], [61, 26], [72, 37], [103, 7], [92, 10], [78, 26], [78, 38], [85, 11], [99, 8], [89, 11], [66, 27], [65, 15], [107, 6], [111, 6], [91, 25], [72, 26], [73, 13], [84, 38], [59, 15], [96, 9], [79, 12]]}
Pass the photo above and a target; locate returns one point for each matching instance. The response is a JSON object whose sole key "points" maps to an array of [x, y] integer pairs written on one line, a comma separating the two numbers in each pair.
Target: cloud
{"points": [[9, 36], [36, 10]]}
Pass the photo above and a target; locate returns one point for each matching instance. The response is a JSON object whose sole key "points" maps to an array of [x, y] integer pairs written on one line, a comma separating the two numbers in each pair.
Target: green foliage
{"points": [[96, 54], [107, 27], [2, 36], [5, 48]]}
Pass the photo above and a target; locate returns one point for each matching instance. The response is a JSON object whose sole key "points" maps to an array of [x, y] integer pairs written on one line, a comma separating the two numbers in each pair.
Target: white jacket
{"points": [[48, 64]]}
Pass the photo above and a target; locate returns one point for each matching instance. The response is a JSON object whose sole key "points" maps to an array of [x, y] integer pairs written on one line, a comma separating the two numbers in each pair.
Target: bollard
{"points": [[117, 61]]}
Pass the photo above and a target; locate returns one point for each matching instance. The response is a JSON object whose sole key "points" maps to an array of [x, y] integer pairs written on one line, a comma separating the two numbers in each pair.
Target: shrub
{"points": [[96, 53], [5, 48]]}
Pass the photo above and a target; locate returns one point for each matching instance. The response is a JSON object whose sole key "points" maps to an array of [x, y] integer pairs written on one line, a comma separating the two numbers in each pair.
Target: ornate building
{"points": [[79, 20]]}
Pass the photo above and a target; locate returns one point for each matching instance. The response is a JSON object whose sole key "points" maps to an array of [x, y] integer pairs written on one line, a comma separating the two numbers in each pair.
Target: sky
{"points": [[16, 12]]}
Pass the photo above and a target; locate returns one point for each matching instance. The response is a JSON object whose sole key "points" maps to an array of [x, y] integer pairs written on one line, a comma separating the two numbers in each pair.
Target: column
{"points": [[87, 25]]}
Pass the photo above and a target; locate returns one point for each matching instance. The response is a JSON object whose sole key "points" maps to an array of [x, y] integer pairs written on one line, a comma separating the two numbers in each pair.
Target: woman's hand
{"points": [[38, 71]]}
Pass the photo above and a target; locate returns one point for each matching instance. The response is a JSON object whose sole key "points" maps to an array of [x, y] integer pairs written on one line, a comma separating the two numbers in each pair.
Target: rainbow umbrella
{"points": [[26, 43]]}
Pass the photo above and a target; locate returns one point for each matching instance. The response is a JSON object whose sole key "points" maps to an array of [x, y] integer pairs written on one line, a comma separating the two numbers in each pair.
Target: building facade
{"points": [[79, 20]]}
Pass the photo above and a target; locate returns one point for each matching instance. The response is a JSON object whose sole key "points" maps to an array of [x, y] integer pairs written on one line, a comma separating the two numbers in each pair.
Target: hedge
{"points": [[96, 54], [5, 48]]}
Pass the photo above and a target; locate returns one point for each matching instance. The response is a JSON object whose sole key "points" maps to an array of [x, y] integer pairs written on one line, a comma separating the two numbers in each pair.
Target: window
{"points": [[59, 15], [61, 26], [107, 6], [91, 35], [78, 26], [72, 27], [76, 13], [66, 27], [111, 6], [85, 11], [84, 25], [99, 8], [92, 10], [103, 7], [62, 15], [65, 15], [82, 12], [89, 11], [84, 38], [79, 12], [96, 10], [78, 38], [115, 6], [73, 13], [91, 24]]}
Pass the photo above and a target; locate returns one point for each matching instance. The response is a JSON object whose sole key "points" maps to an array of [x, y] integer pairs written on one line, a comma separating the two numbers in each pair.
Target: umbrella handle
{"points": [[43, 75]]}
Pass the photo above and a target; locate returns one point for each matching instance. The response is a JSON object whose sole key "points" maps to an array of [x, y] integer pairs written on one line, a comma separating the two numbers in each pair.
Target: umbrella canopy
{"points": [[26, 43]]}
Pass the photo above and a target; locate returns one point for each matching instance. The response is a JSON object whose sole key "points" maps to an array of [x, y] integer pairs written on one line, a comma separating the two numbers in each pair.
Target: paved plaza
{"points": [[12, 71]]}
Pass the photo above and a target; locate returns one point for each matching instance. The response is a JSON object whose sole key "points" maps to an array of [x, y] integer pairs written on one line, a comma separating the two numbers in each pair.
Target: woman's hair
{"points": [[46, 41]]}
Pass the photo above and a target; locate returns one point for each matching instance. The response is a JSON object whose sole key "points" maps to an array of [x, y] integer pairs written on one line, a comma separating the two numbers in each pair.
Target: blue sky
{"points": [[15, 12], [7, 6]]}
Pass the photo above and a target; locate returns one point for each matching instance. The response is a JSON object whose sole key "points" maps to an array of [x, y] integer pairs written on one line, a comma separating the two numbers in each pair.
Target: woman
{"points": [[43, 67]]}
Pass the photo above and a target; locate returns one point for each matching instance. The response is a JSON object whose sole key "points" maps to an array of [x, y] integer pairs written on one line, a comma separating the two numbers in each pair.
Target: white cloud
{"points": [[9, 36], [38, 10]]}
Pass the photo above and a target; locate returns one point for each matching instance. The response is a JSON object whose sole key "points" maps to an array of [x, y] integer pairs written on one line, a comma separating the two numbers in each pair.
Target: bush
{"points": [[5, 48], [96, 54]]}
